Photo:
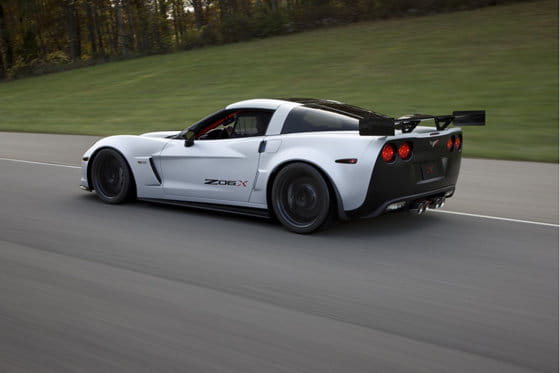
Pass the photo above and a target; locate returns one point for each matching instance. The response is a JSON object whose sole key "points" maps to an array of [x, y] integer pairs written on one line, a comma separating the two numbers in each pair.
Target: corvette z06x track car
{"points": [[305, 162]]}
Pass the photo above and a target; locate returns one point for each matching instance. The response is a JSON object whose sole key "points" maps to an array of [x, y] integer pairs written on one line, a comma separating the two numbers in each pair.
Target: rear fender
{"points": [[347, 180]]}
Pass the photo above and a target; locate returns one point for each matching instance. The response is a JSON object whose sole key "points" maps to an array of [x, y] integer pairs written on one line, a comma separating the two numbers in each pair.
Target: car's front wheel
{"points": [[111, 177], [301, 199]]}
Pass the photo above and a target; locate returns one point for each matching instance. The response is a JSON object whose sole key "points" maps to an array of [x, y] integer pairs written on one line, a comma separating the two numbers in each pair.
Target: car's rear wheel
{"points": [[111, 177], [301, 199]]}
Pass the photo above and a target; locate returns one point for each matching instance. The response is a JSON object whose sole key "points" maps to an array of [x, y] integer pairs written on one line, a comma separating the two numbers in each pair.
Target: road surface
{"points": [[90, 287]]}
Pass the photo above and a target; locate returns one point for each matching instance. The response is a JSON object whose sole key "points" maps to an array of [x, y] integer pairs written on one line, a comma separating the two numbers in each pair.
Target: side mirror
{"points": [[189, 138]]}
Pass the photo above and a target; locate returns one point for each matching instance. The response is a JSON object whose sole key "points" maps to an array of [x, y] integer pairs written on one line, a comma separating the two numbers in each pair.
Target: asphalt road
{"points": [[86, 286]]}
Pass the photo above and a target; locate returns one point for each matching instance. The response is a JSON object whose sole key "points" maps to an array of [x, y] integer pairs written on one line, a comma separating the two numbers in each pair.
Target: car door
{"points": [[221, 165]]}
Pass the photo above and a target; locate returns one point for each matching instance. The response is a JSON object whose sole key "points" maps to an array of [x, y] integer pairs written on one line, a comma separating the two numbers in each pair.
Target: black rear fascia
{"points": [[401, 180]]}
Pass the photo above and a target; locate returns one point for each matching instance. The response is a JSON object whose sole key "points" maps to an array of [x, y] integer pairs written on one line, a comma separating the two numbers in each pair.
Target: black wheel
{"points": [[301, 199], [111, 177]]}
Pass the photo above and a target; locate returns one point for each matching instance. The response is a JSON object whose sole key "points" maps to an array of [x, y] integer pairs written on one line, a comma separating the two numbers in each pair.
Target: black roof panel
{"points": [[336, 106]]}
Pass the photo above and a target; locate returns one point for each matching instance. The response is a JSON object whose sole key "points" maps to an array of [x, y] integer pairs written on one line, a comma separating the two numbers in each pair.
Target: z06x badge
{"points": [[242, 183]]}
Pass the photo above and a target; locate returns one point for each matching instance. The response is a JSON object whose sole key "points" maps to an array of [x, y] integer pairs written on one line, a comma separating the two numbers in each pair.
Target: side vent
{"points": [[155, 170]]}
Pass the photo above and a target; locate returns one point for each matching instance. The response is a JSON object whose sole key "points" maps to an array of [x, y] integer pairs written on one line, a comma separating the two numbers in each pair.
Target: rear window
{"points": [[306, 119]]}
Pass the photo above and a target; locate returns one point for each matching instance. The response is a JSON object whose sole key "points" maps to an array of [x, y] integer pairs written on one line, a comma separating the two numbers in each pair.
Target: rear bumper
{"points": [[408, 182], [409, 202]]}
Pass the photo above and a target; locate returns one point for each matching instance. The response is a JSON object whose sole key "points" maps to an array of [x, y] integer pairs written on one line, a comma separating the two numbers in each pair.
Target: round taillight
{"points": [[458, 143], [388, 153], [405, 151], [450, 143]]}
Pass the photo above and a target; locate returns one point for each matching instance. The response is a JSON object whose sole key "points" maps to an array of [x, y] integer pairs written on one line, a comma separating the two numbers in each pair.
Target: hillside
{"points": [[502, 59]]}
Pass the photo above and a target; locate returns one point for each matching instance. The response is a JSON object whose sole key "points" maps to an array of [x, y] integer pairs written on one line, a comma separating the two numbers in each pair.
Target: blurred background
{"points": [[131, 66], [142, 287]]}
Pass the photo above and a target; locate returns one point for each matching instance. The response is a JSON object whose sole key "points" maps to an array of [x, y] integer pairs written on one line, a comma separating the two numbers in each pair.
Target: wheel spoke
{"points": [[301, 200], [110, 175]]}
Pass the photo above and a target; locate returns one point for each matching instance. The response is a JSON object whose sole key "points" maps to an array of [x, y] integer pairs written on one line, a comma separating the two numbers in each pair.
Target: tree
{"points": [[91, 27], [6, 53], [121, 35], [72, 29], [198, 12], [36, 34]]}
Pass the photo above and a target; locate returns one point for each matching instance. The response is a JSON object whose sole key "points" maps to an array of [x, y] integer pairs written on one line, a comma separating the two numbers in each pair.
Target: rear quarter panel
{"points": [[322, 150]]}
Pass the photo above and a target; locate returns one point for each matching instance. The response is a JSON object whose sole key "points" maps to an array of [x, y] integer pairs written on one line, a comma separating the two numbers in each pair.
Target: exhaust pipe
{"points": [[419, 207], [437, 203]]}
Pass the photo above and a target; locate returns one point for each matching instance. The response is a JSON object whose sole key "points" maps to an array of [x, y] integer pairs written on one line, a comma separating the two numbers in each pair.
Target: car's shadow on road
{"points": [[388, 225], [385, 225]]}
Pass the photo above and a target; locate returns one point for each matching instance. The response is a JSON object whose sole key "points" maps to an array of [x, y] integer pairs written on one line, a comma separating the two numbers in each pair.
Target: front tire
{"points": [[111, 177], [301, 199]]}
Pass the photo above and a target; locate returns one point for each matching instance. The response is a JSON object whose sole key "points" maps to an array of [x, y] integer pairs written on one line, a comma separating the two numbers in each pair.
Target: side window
{"points": [[251, 123], [236, 124], [218, 127]]}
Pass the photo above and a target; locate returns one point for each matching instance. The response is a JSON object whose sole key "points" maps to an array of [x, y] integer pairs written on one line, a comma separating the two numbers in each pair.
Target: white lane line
{"points": [[442, 211], [39, 163], [497, 218]]}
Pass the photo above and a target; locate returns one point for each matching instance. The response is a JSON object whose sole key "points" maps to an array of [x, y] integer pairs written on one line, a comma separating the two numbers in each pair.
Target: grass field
{"points": [[502, 59]]}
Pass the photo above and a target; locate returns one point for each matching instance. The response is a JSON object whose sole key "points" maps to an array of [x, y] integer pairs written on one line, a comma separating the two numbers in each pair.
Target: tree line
{"points": [[39, 36]]}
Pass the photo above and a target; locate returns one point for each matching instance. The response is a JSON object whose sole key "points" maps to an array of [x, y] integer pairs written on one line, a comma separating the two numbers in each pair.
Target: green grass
{"points": [[502, 59]]}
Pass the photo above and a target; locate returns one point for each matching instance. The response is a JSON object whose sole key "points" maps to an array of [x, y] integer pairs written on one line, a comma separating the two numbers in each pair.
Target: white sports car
{"points": [[305, 162]]}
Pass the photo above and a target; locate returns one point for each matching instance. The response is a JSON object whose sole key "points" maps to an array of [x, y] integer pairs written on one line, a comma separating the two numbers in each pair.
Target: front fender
{"points": [[138, 152]]}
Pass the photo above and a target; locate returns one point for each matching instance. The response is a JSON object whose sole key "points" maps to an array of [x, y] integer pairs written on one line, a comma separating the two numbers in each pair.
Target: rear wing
{"points": [[376, 125]]}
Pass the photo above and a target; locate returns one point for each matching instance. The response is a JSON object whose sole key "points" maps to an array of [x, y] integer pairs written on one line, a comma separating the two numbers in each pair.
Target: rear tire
{"points": [[301, 199], [111, 177]]}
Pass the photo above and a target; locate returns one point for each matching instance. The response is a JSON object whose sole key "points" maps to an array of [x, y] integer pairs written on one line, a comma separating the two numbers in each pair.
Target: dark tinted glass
{"points": [[306, 119]]}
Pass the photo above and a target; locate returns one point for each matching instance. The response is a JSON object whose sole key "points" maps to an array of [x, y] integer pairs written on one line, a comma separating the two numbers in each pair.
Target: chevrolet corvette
{"points": [[304, 162]]}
